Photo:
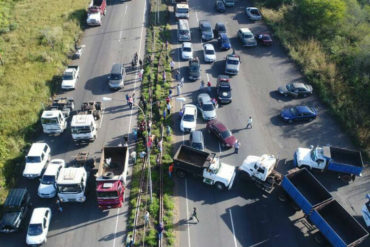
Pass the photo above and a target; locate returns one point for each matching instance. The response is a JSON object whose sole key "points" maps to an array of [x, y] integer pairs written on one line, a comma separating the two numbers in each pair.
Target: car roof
{"points": [[38, 215], [304, 109], [205, 22], [219, 24], [197, 136], [186, 44], [52, 169], [15, 197], [220, 126], [36, 149], [208, 46], [50, 114], [205, 97], [189, 109], [223, 36], [245, 30]]}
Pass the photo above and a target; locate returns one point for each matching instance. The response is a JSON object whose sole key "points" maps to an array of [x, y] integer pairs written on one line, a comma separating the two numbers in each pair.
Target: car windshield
{"points": [[226, 134], [33, 159], [206, 28], [255, 12], [197, 146], [186, 49], [208, 107], [232, 61], [248, 36], [115, 76], [107, 194], [182, 10], [48, 179], [221, 29], [67, 77], [69, 188], [183, 32], [53, 120], [189, 118], [210, 52], [34, 229], [293, 111], [225, 89], [81, 129], [290, 87]]}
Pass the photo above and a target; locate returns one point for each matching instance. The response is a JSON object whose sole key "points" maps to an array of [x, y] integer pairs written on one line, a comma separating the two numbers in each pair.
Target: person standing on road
{"points": [[172, 65], [129, 241], [160, 230], [133, 157], [146, 218], [60, 209], [236, 146], [249, 124], [168, 109], [209, 85], [194, 214], [170, 170], [182, 81], [178, 88], [201, 85], [141, 63], [177, 76], [130, 102]]}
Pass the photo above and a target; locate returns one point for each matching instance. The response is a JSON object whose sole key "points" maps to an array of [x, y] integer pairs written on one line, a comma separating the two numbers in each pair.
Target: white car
{"points": [[253, 13], [206, 106], [186, 51], [47, 187], [209, 53], [39, 226], [189, 118], [36, 160], [94, 18]]}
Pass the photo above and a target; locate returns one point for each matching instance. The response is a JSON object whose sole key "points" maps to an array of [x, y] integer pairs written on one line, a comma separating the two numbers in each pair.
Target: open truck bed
{"points": [[118, 163], [344, 160]]}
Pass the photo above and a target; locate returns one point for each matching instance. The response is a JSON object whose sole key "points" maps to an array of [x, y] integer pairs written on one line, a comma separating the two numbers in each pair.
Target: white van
{"points": [[183, 31], [182, 11]]}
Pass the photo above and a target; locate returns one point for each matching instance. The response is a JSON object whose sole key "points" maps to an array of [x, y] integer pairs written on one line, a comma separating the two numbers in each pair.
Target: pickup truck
{"points": [[232, 64], [111, 177], [188, 160], [345, 161], [97, 8], [330, 218], [70, 77]]}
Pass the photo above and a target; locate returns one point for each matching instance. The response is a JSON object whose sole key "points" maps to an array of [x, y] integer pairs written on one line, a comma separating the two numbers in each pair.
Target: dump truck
{"points": [[111, 177], [348, 163], [95, 12], [190, 161]]}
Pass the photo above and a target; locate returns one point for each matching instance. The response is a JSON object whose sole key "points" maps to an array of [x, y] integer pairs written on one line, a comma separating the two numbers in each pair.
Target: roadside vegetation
{"points": [[330, 41], [36, 38], [155, 89]]}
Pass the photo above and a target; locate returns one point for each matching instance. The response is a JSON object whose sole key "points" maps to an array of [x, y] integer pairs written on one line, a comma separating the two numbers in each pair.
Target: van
{"points": [[117, 76], [182, 11], [183, 30]]}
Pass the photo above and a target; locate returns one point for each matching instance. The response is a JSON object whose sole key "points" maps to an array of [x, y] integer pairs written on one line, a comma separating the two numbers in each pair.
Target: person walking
{"points": [[130, 102], [182, 81], [141, 63], [127, 97], [164, 113], [141, 74], [160, 230], [194, 214], [168, 109], [129, 241], [125, 138], [133, 157], [209, 85], [249, 124], [170, 170], [178, 88], [172, 65], [236, 146], [160, 144], [146, 218], [201, 85], [59, 206], [177, 76]]}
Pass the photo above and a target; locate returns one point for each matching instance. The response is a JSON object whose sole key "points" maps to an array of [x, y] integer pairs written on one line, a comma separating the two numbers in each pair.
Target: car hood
{"points": [[303, 154], [285, 113], [282, 90], [46, 188], [187, 124], [187, 54], [34, 168], [34, 239], [231, 140], [10, 219], [94, 16], [209, 114], [249, 40]]}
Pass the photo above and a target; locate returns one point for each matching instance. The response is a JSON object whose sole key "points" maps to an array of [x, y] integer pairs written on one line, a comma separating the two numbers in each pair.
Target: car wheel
{"points": [[220, 186]]}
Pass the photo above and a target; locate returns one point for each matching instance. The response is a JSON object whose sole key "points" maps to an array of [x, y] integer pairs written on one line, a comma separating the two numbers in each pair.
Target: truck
{"points": [[84, 125], [330, 218], [53, 122], [97, 8], [70, 77], [366, 211], [232, 64], [348, 163], [71, 184], [261, 171], [111, 177], [64, 104], [190, 161]]}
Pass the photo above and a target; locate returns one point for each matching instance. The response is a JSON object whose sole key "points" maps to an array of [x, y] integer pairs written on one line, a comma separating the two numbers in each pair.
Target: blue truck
{"points": [[330, 218], [347, 162]]}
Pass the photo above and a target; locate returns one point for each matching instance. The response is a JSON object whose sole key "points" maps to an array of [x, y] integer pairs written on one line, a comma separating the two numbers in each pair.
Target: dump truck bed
{"points": [[118, 162]]}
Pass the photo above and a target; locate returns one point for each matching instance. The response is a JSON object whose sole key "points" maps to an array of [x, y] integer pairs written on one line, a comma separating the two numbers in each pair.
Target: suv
{"points": [[117, 76], [196, 140], [206, 30], [223, 89], [194, 69], [232, 64], [36, 160], [246, 37], [15, 210]]}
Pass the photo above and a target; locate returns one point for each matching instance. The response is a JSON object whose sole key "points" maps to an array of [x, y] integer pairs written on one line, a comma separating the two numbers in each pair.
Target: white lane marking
{"points": [[101, 120], [129, 126], [121, 32], [196, 16], [232, 226], [219, 147], [207, 77], [187, 209]]}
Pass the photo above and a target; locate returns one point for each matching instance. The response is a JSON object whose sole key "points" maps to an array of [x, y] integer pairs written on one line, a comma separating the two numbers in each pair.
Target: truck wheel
{"points": [[181, 173], [220, 186]]}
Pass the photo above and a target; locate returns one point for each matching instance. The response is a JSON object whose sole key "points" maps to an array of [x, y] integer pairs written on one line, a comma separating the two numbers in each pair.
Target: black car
{"points": [[220, 6], [219, 28], [296, 89], [15, 210], [223, 89]]}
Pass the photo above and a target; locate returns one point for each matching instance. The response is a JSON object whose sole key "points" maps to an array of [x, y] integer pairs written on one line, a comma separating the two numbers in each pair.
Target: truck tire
{"points": [[220, 186], [181, 173]]}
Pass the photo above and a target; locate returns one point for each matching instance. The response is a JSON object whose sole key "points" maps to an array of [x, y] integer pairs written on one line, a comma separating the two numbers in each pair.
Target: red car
{"points": [[264, 39], [222, 133]]}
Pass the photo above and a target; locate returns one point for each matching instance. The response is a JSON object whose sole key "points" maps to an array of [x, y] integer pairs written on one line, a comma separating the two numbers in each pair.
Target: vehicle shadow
{"points": [[98, 85]]}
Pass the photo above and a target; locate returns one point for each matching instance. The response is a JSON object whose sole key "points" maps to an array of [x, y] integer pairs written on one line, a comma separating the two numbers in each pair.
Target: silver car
{"points": [[246, 37], [206, 107], [206, 30]]}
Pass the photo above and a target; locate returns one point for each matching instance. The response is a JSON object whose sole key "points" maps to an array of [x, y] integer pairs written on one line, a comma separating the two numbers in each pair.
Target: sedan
{"points": [[220, 6], [39, 226], [298, 113], [206, 106], [296, 89], [186, 51], [222, 133], [253, 13], [209, 53], [246, 37], [189, 118], [47, 187], [223, 42], [219, 28], [206, 30], [264, 39]]}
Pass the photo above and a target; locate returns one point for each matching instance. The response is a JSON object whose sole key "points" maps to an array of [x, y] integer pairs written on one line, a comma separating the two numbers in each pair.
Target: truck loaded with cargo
{"points": [[54, 117], [111, 177], [190, 161], [84, 125], [97, 8], [347, 162]]}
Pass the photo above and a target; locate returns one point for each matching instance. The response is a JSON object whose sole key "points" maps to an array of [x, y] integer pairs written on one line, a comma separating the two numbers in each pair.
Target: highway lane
{"points": [[245, 216], [121, 35]]}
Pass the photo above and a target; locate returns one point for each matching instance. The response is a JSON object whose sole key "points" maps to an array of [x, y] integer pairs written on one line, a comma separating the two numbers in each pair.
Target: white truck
{"points": [[54, 118], [70, 77], [84, 125], [261, 170], [71, 184], [232, 64], [188, 160]]}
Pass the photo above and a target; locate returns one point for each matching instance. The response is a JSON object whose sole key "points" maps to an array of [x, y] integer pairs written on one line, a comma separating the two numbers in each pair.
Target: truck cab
{"points": [[312, 157], [71, 184], [110, 194], [219, 174], [53, 122], [259, 167], [83, 128]]}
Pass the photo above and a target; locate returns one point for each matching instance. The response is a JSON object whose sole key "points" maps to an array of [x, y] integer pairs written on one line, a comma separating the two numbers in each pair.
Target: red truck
{"points": [[111, 177], [97, 8]]}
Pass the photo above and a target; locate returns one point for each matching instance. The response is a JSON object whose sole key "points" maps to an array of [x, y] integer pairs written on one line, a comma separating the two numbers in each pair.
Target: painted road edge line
{"points": [[232, 226]]}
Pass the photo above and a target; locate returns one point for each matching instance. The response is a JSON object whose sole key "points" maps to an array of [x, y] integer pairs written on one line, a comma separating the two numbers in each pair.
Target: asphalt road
{"points": [[121, 35], [245, 216]]}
